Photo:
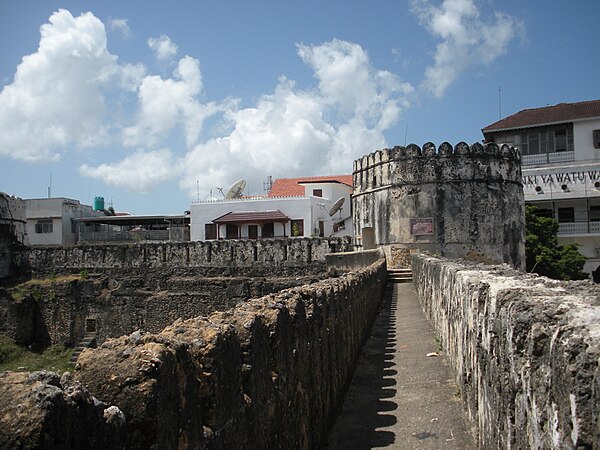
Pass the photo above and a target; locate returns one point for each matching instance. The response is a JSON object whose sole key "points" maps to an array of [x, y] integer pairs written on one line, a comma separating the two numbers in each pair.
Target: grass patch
{"points": [[30, 287], [438, 345], [19, 359]]}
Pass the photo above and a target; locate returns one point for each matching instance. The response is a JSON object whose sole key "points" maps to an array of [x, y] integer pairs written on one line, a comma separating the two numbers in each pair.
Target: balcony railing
{"points": [[142, 235], [570, 228], [548, 158]]}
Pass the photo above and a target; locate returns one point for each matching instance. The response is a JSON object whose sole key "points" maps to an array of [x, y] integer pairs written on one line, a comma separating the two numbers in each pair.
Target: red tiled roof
{"points": [[291, 187], [563, 112], [252, 216]]}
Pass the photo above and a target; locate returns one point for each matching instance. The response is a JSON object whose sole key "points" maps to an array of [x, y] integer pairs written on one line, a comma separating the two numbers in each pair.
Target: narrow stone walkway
{"points": [[401, 398]]}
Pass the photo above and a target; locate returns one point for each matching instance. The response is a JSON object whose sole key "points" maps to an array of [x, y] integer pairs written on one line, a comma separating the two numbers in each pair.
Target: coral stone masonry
{"points": [[461, 201]]}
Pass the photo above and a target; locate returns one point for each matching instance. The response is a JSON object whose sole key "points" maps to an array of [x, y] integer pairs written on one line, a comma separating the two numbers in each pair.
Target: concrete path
{"points": [[400, 398]]}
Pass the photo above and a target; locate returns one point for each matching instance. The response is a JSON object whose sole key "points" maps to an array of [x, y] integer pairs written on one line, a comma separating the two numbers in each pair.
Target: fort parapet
{"points": [[462, 201]]}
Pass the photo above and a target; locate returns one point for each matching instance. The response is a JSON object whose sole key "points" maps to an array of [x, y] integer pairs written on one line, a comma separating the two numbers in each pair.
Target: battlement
{"points": [[412, 165], [445, 149]]}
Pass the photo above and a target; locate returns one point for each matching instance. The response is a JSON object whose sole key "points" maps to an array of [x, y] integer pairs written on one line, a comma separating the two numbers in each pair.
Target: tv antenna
{"points": [[220, 189], [268, 185], [236, 189], [337, 206]]}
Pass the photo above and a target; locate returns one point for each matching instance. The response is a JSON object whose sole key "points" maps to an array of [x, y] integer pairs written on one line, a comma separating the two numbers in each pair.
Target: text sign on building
{"points": [[421, 227]]}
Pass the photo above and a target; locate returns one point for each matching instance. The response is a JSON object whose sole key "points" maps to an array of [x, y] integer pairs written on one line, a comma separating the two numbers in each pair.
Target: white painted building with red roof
{"points": [[560, 147], [294, 207]]}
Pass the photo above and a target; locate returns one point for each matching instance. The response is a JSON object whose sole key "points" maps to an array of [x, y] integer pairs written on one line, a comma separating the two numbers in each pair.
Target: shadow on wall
{"points": [[374, 378]]}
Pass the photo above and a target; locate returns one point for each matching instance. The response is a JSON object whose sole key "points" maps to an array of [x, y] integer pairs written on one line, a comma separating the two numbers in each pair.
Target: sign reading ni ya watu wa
{"points": [[421, 227], [580, 176]]}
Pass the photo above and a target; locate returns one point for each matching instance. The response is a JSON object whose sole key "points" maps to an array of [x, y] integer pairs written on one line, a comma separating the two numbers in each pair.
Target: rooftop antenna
{"points": [[405, 133], [50, 187], [337, 206], [220, 189], [268, 185], [499, 102], [197, 191], [236, 190]]}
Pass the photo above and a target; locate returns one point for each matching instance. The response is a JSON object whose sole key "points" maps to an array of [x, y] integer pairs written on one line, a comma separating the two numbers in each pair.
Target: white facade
{"points": [[563, 182], [308, 215], [50, 221]]}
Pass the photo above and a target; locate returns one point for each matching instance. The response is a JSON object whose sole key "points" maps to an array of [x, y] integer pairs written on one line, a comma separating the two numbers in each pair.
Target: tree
{"points": [[543, 254]]}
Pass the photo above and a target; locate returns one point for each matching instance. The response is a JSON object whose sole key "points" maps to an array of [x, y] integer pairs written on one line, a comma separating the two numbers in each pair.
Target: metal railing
{"points": [[548, 158], [142, 235]]}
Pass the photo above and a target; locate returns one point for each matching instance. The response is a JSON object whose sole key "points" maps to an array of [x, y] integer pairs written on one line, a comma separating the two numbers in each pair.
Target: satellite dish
{"points": [[235, 191], [336, 206]]}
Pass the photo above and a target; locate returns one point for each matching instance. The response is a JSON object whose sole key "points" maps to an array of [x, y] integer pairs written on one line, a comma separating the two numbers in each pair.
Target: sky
{"points": [[153, 105]]}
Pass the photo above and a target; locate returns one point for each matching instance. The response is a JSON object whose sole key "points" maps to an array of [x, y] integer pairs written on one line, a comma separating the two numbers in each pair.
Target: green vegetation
{"points": [[16, 358], [438, 345], [543, 254], [295, 230]]}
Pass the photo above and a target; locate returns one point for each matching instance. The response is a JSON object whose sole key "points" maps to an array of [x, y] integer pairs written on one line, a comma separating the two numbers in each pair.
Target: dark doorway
{"points": [[253, 231], [268, 230], [90, 326], [231, 231], [321, 228]]}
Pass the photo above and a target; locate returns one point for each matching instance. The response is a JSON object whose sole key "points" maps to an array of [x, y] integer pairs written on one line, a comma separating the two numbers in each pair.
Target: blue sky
{"points": [[153, 104]]}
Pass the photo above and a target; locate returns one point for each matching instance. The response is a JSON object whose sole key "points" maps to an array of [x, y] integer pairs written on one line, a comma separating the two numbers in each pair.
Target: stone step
{"points": [[88, 339], [399, 276]]}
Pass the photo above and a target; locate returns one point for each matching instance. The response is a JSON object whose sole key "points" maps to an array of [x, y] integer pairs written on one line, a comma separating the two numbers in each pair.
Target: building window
{"points": [[595, 213], [210, 231], [231, 231], [318, 192], [534, 143], [560, 140], [298, 227], [43, 226], [566, 215], [543, 212], [253, 232]]}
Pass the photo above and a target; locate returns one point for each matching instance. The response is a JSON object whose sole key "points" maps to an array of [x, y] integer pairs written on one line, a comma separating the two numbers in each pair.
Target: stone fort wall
{"points": [[524, 349], [117, 289], [242, 254], [270, 373], [465, 201]]}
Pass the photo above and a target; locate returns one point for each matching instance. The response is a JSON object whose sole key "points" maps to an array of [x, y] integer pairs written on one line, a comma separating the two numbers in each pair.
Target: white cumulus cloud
{"points": [[164, 49], [466, 39], [56, 98], [58, 95], [122, 26], [295, 132], [167, 103], [139, 171]]}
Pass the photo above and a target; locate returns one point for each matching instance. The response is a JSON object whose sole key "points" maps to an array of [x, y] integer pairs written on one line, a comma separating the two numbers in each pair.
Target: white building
{"points": [[51, 221], [294, 207], [560, 146]]}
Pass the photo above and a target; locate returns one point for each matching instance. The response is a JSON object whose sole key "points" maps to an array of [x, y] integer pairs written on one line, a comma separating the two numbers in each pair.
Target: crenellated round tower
{"points": [[461, 202]]}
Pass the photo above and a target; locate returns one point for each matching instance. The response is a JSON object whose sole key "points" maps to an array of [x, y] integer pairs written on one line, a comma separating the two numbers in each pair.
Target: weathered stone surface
{"points": [[473, 198], [269, 373], [525, 351], [41, 410], [13, 236], [268, 254], [120, 302]]}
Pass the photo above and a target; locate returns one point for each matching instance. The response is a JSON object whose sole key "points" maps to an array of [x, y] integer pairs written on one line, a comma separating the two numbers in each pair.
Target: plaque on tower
{"points": [[421, 227]]}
